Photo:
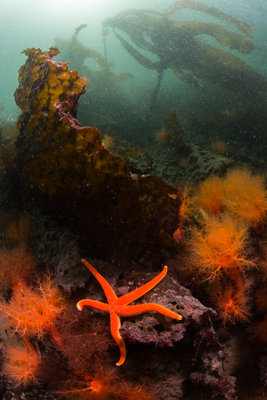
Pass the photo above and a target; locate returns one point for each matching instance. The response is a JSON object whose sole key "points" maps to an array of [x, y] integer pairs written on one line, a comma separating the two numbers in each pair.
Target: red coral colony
{"points": [[69, 196]]}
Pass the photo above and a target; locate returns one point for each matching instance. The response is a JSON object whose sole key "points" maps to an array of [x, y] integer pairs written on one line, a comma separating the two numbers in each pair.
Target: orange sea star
{"points": [[118, 306]]}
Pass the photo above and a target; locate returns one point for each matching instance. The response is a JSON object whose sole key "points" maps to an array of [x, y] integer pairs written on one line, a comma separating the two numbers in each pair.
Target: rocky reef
{"points": [[69, 163], [69, 194]]}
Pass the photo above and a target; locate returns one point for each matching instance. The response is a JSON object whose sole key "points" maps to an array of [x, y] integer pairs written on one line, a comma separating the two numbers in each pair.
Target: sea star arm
{"points": [[135, 294], [119, 306], [92, 303], [141, 308], [115, 324], [109, 292]]}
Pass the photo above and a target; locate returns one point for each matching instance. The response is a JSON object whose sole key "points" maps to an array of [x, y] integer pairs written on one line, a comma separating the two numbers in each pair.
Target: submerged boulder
{"points": [[82, 181]]}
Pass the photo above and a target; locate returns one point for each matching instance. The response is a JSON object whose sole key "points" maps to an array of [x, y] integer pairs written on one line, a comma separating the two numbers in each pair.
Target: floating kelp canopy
{"points": [[177, 46]]}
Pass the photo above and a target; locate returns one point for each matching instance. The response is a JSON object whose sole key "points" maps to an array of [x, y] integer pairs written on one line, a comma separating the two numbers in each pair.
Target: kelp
{"points": [[137, 55], [159, 42], [105, 104], [222, 35], [193, 5], [72, 49]]}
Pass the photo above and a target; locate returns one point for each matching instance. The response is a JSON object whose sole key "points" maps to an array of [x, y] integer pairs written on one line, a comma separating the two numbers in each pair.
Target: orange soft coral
{"points": [[239, 192], [232, 306], [33, 311], [103, 387], [20, 364], [186, 206], [246, 196], [220, 245], [16, 264], [211, 195], [185, 210]]}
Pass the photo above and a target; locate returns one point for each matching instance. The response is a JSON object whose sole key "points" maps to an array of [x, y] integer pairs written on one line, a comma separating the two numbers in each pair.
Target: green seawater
{"points": [[206, 110]]}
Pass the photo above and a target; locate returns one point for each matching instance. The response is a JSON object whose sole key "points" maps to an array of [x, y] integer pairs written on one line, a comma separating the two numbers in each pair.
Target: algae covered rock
{"points": [[202, 163], [172, 354], [55, 153], [69, 165]]}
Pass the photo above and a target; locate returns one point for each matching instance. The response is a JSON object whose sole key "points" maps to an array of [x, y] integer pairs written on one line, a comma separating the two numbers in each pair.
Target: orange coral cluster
{"points": [[239, 193], [232, 306], [231, 207], [103, 387], [246, 197], [20, 365], [29, 311], [211, 194], [219, 246], [32, 311]]}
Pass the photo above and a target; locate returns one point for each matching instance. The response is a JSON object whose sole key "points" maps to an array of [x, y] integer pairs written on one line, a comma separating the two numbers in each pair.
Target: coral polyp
{"points": [[33, 311], [232, 306], [20, 364], [210, 196], [246, 196], [220, 246]]}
